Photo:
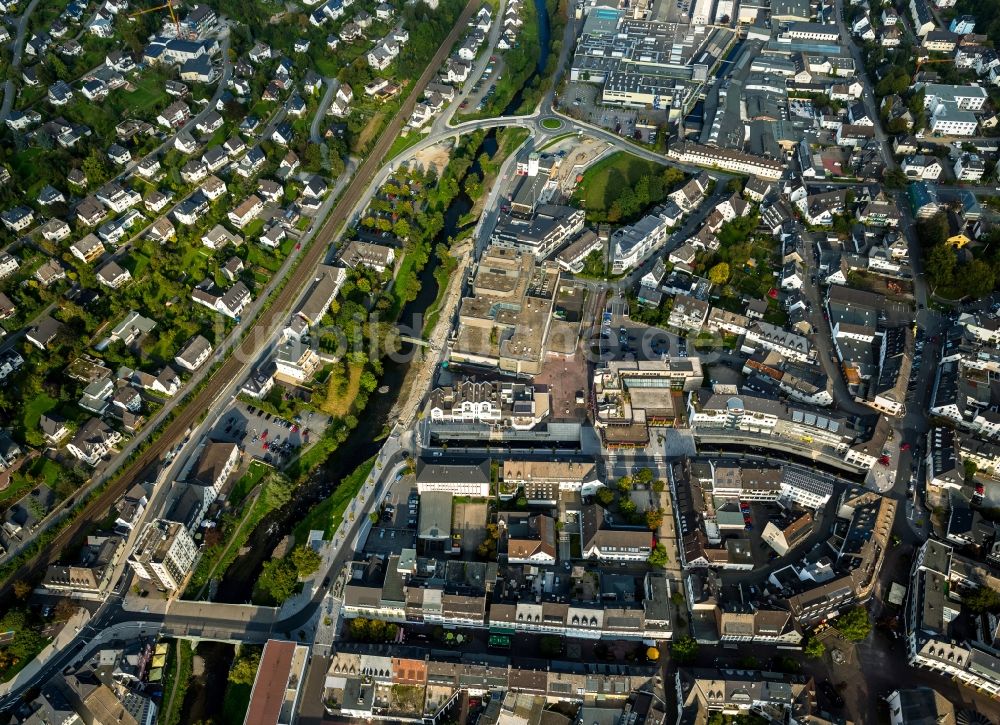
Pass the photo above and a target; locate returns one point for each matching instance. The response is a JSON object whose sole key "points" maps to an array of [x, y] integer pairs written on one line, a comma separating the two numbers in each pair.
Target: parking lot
{"points": [[396, 528], [623, 338], [485, 87], [583, 100], [265, 436]]}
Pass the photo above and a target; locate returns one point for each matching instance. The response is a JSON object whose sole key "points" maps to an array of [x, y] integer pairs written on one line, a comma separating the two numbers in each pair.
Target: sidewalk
{"points": [[355, 520]]}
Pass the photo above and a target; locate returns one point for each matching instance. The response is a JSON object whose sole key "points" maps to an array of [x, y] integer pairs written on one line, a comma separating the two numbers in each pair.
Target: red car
{"points": [[905, 447], [263, 435], [979, 489], [265, 445], [884, 460], [298, 246], [295, 428]]}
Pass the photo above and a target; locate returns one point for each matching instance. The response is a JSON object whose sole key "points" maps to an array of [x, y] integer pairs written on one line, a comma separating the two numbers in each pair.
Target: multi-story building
{"points": [[938, 579], [296, 360], [632, 245], [727, 159], [164, 554], [505, 323], [630, 396], [549, 228], [769, 422], [601, 540], [459, 477]]}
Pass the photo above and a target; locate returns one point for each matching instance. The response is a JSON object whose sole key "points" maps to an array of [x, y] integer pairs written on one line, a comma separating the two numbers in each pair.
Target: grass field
{"points": [[242, 488], [138, 263], [370, 132], [327, 516], [402, 143], [35, 408], [337, 404], [177, 675], [551, 123], [603, 182], [148, 95]]}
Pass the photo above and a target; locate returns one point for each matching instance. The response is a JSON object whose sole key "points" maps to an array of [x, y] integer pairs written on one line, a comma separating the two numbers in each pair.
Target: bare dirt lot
{"points": [[435, 157]]}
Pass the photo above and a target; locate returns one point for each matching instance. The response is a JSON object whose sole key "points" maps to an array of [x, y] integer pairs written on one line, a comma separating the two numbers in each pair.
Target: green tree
{"points": [[95, 168], [940, 266], [626, 507], [970, 470], [854, 624], [306, 560], [895, 179], [624, 485], [933, 230], [719, 274], [277, 491], [658, 486], [654, 518], [604, 496], [644, 476], [983, 599], [684, 650], [244, 669], [278, 579], [814, 648], [658, 558], [977, 278]]}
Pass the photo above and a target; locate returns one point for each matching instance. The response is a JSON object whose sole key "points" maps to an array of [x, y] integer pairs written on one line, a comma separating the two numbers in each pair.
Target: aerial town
{"points": [[502, 362]]}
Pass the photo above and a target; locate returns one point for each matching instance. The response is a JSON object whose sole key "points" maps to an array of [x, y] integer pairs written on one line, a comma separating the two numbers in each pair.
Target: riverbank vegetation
{"points": [[177, 675], [326, 517], [222, 543]]}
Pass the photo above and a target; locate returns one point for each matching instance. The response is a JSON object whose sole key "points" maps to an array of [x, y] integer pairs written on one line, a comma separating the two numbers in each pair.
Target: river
{"points": [[364, 441]]}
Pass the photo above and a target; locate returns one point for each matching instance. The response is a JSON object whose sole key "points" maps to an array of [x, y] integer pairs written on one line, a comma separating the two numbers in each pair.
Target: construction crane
{"points": [[169, 5]]}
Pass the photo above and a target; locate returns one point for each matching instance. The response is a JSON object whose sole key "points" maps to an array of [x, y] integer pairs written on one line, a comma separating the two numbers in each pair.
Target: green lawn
{"points": [[148, 96], [35, 407], [243, 487], [137, 264], [604, 181], [402, 143], [327, 516], [257, 256], [551, 123]]}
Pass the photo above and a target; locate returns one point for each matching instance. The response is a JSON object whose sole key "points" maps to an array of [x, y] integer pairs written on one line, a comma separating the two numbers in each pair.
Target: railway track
{"points": [[301, 276]]}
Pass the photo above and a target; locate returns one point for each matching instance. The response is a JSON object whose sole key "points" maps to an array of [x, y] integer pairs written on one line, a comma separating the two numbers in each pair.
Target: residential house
{"points": [[113, 276], [246, 212], [94, 440], [43, 332], [194, 354], [8, 264]]}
